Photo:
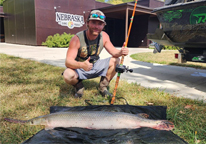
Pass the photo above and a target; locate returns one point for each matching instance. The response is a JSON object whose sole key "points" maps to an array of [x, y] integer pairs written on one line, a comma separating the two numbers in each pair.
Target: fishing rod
{"points": [[121, 67]]}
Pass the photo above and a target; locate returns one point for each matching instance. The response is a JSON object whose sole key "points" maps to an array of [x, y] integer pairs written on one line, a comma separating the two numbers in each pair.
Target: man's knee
{"points": [[70, 76], [114, 61]]}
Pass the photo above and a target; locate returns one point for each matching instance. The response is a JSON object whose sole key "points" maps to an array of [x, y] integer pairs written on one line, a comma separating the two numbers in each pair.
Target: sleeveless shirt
{"points": [[82, 54]]}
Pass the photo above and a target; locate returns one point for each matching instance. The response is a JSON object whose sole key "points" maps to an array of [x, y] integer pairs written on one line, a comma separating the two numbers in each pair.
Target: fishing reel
{"points": [[122, 68]]}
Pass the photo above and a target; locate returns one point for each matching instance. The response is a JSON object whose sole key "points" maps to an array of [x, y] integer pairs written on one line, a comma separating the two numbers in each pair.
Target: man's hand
{"points": [[87, 65], [124, 50]]}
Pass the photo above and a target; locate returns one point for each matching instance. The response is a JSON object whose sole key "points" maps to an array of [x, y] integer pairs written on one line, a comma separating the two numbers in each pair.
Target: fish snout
{"points": [[164, 125]]}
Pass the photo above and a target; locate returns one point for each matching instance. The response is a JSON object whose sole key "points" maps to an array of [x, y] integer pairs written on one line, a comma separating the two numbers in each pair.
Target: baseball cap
{"points": [[97, 15]]}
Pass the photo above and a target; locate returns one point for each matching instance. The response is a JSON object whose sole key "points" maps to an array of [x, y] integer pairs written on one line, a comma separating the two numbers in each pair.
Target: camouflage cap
{"points": [[97, 15]]}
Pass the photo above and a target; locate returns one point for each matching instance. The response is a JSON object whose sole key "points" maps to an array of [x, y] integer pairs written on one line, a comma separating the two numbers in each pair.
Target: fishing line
{"points": [[123, 99], [88, 102], [118, 98]]}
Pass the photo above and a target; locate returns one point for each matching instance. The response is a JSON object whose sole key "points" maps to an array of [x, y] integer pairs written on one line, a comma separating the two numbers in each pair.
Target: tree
{"points": [[101, 1], [1, 2], [115, 1]]}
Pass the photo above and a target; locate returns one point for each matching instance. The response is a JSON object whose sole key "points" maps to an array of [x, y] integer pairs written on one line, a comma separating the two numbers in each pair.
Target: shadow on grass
{"points": [[69, 91], [188, 65], [164, 73]]}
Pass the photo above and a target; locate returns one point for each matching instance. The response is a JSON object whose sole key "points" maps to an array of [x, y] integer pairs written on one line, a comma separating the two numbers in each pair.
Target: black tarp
{"points": [[130, 136]]}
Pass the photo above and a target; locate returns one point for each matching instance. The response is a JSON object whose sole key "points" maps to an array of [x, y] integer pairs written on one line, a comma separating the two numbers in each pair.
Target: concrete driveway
{"points": [[179, 81]]}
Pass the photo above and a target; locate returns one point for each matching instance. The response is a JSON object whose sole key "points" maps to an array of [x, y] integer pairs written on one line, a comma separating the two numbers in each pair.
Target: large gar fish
{"points": [[96, 120]]}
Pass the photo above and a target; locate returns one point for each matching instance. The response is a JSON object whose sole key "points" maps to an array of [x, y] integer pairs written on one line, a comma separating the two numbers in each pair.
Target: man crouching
{"points": [[82, 59]]}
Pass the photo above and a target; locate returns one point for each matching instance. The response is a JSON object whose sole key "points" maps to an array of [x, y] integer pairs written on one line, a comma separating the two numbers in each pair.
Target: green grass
{"points": [[165, 57], [29, 88]]}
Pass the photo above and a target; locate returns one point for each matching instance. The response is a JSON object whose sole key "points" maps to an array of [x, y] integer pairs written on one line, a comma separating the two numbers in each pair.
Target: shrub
{"points": [[170, 48], [167, 47], [1, 2], [58, 40]]}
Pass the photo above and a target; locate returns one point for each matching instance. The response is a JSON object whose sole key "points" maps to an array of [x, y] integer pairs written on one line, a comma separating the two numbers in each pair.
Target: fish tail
{"points": [[15, 120], [164, 125]]}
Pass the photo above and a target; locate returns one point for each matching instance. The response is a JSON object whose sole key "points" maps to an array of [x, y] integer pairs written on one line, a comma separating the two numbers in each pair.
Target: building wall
{"points": [[156, 3], [46, 16], [1, 25], [143, 2], [19, 22], [153, 24], [1, 9], [116, 30], [138, 34], [151, 3], [2, 39], [32, 21], [100, 4]]}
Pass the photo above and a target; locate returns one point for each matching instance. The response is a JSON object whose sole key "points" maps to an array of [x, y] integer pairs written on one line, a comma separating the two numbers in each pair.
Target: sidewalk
{"points": [[53, 56], [179, 81]]}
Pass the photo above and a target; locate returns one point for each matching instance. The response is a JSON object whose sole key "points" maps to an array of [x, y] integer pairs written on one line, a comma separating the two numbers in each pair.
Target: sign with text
{"points": [[69, 20]]}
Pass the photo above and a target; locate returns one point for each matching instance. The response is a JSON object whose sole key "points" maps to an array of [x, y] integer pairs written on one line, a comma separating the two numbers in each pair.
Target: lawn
{"points": [[28, 89], [165, 57]]}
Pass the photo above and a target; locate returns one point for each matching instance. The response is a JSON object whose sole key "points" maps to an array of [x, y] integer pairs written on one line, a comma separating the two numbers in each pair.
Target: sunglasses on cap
{"points": [[102, 17]]}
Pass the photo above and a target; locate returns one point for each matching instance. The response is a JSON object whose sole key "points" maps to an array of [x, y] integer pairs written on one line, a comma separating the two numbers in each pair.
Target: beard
{"points": [[94, 32]]}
